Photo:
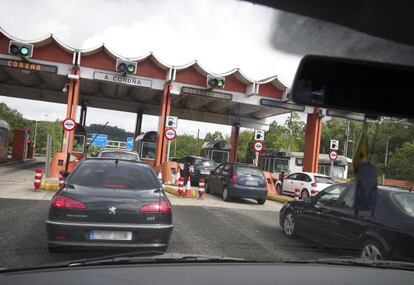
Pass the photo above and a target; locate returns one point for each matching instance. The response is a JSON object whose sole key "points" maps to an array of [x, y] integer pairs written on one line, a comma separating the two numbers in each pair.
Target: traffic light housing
{"points": [[126, 66], [215, 81], [21, 49]]}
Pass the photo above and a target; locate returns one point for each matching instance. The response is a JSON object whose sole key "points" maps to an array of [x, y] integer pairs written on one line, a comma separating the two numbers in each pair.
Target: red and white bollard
{"points": [[297, 193], [61, 178], [188, 191], [38, 178], [181, 186], [201, 188]]}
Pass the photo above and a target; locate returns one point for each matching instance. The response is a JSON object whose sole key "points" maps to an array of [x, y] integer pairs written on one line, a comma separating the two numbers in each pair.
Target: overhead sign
{"points": [[333, 155], [120, 79], [69, 124], [171, 122], [28, 65], [258, 146], [170, 134], [259, 135], [334, 145], [130, 143], [99, 140], [283, 105], [207, 93]]}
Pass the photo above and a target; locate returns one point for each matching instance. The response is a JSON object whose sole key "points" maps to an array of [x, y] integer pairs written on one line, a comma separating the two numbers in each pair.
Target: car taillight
{"points": [[156, 207], [63, 202], [234, 179], [314, 184]]}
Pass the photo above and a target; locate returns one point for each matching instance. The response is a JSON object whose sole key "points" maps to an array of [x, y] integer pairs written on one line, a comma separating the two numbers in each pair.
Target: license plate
{"points": [[110, 235], [252, 183]]}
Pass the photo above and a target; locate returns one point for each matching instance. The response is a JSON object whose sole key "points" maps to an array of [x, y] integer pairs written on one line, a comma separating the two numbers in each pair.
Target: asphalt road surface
{"points": [[248, 234]]}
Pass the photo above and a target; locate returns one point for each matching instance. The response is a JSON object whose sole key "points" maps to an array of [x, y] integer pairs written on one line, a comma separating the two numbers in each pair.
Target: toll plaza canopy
{"points": [[54, 72], [45, 74]]}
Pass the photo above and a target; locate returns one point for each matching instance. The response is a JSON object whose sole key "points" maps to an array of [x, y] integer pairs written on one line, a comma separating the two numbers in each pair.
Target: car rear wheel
{"points": [[226, 195], [261, 201], [304, 194], [289, 225], [372, 250], [279, 189]]}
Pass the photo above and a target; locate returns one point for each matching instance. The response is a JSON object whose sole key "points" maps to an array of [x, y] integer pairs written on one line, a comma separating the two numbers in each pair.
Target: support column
{"points": [[313, 134], [84, 110], [234, 138], [138, 123], [164, 112]]}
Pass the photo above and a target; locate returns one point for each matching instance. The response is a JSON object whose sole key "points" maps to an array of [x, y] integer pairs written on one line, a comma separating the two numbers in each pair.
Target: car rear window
{"points": [[324, 180], [119, 155], [114, 174], [406, 201], [249, 171], [206, 163]]}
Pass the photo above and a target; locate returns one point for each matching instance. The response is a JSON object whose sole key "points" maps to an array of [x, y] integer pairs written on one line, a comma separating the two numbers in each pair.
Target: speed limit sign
{"points": [[170, 134], [258, 146]]}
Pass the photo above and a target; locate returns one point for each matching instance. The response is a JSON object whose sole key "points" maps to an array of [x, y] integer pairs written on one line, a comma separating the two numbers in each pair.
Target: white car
{"points": [[118, 154], [309, 184]]}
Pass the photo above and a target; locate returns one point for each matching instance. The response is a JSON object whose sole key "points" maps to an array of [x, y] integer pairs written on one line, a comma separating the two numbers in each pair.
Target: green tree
{"points": [[185, 145], [243, 150], [401, 162], [13, 118], [217, 135]]}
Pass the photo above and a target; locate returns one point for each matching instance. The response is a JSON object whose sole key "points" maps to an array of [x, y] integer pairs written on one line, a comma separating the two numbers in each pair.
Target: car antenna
{"points": [[116, 162]]}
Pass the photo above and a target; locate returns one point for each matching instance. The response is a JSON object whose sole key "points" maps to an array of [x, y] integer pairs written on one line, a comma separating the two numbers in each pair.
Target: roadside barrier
{"points": [[188, 191], [181, 186], [297, 193], [201, 188], [38, 178]]}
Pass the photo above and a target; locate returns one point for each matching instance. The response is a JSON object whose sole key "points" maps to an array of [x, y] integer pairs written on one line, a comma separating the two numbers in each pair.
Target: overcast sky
{"points": [[222, 35]]}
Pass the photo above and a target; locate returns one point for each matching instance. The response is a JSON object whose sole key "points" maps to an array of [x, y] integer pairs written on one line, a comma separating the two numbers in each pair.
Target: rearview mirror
{"points": [[373, 89]]}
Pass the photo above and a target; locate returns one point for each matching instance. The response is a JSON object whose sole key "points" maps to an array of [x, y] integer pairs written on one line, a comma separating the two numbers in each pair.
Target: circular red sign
{"points": [[333, 155], [69, 124], [170, 134], [258, 146]]}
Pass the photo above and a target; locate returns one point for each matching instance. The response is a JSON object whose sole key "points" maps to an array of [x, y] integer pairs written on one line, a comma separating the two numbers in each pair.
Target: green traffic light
{"points": [[131, 68], [220, 83], [24, 51]]}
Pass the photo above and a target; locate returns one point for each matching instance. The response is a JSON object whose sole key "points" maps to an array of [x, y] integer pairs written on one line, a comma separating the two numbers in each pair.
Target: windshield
{"points": [[200, 92]]}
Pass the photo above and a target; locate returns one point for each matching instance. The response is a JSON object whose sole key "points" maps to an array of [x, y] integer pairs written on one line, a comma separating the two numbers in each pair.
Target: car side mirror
{"points": [[65, 173]]}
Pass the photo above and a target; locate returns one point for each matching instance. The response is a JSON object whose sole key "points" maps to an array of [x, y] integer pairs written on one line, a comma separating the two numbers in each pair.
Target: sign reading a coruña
{"points": [[25, 65], [120, 79]]}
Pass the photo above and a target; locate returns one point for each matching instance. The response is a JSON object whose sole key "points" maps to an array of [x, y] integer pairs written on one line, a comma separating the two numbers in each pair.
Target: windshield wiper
{"points": [[143, 257], [161, 258], [352, 261]]}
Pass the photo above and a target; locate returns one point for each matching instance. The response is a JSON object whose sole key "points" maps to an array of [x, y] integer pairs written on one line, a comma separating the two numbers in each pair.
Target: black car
{"points": [[110, 203], [197, 167], [237, 180], [329, 218]]}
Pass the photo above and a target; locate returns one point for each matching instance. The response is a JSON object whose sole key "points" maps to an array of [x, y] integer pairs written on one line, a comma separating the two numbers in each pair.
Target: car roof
{"points": [[382, 188], [315, 174], [100, 159], [118, 150]]}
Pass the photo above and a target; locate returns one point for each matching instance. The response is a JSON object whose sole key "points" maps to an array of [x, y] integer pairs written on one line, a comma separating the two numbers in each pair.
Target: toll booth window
{"points": [[281, 165], [148, 150], [220, 156], [3, 137], [79, 143]]}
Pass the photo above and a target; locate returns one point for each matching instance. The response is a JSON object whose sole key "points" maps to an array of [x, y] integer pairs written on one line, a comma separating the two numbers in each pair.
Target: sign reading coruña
{"points": [[25, 65], [120, 79]]}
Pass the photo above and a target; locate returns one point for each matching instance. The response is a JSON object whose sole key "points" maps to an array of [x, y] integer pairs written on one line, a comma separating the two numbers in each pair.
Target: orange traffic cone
{"points": [[181, 187], [297, 193], [201, 188]]}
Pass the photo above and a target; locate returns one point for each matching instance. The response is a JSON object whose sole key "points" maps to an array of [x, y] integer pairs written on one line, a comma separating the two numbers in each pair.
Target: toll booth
{"points": [[146, 147], [278, 161], [20, 144], [79, 142], [218, 151], [4, 140]]}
